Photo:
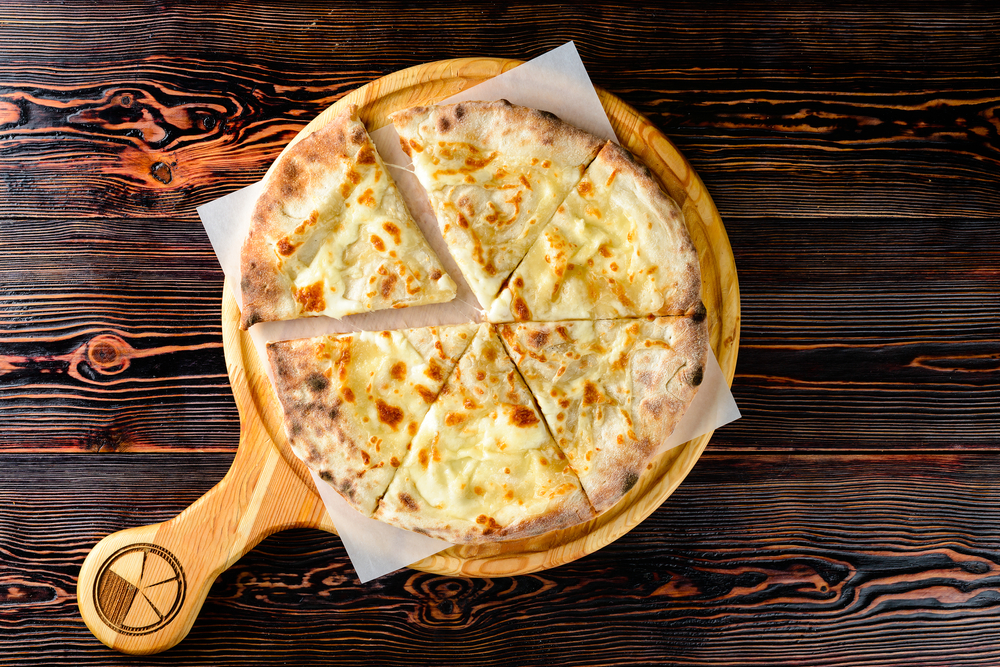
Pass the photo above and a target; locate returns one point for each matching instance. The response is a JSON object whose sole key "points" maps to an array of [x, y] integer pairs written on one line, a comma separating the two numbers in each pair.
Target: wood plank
{"points": [[866, 560], [112, 337], [800, 129]]}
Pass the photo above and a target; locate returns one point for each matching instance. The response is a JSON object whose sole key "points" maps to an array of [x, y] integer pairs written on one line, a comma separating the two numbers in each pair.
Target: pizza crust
{"points": [[330, 235]]}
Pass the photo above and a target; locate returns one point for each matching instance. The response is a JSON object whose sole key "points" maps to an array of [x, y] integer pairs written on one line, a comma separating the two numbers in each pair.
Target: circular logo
{"points": [[139, 589]]}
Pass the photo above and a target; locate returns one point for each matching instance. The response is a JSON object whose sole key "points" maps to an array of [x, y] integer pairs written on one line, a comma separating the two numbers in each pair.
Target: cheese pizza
{"points": [[616, 247], [483, 466], [353, 402], [538, 419], [611, 390], [495, 173], [331, 235]]}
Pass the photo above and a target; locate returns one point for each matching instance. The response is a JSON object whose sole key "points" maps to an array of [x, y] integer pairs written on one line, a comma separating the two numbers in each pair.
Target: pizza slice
{"points": [[330, 235], [616, 247], [494, 173], [483, 467], [610, 390], [353, 402]]}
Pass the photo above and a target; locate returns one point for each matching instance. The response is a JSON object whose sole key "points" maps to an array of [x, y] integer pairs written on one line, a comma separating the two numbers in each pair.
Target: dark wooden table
{"points": [[850, 518]]}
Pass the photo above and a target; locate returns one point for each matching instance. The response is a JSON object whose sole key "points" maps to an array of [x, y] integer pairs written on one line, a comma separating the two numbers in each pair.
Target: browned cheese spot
{"points": [[520, 309], [603, 249], [348, 395], [563, 403], [475, 163], [423, 457], [378, 242], [620, 439], [311, 297], [367, 198], [611, 178], [408, 502], [434, 371], [489, 523], [411, 428], [398, 370], [490, 354], [388, 414], [480, 375], [388, 284], [585, 188], [425, 393], [462, 221], [393, 231], [524, 417], [435, 274], [591, 394], [478, 490], [365, 457], [366, 155], [394, 462], [453, 418], [286, 247], [353, 178], [443, 124], [469, 404], [538, 338]]}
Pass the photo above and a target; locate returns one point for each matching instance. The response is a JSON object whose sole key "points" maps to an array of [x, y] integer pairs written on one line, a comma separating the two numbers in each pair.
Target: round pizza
{"points": [[543, 415]]}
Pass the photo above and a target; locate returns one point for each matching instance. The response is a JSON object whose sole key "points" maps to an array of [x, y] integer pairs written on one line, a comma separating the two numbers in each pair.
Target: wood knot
{"points": [[161, 172], [125, 100], [108, 354]]}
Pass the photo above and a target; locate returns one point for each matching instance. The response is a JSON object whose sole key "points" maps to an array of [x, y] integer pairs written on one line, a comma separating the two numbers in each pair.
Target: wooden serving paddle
{"points": [[141, 589]]}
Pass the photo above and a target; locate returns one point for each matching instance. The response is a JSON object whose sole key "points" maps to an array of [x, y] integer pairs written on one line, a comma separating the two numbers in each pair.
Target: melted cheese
{"points": [[354, 414], [360, 249], [482, 460], [609, 251]]}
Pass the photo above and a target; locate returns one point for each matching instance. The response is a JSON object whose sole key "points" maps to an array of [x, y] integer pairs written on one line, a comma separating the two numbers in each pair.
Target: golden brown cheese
{"points": [[616, 247], [611, 391], [330, 235], [483, 467], [495, 173]]}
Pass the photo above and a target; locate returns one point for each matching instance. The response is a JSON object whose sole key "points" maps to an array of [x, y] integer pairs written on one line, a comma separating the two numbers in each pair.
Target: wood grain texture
{"points": [[755, 560], [847, 519]]}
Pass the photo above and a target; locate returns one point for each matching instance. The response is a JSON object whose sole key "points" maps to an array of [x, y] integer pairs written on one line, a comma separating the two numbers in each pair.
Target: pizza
{"points": [[611, 390], [483, 466], [353, 402], [593, 347], [331, 235], [495, 173]]}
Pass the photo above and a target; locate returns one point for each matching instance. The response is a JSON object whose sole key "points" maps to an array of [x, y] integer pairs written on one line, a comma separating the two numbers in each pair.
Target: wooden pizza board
{"points": [[140, 589]]}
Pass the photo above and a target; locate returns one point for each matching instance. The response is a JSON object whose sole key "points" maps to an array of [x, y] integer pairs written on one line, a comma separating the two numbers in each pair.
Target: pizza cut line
{"points": [[548, 413]]}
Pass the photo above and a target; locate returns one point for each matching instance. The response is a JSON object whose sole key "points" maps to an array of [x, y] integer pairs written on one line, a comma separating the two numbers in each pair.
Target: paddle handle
{"points": [[140, 589]]}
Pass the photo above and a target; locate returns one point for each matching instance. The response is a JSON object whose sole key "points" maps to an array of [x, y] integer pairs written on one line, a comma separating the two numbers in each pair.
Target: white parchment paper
{"points": [[556, 82]]}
